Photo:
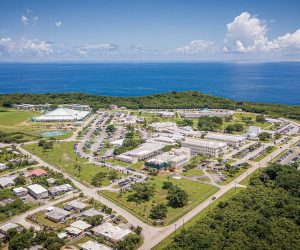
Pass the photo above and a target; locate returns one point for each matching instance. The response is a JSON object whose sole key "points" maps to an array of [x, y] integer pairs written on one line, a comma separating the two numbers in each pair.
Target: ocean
{"points": [[259, 82]]}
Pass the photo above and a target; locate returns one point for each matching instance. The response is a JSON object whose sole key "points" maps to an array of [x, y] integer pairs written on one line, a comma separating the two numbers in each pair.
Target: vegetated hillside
{"points": [[185, 99], [265, 216]]}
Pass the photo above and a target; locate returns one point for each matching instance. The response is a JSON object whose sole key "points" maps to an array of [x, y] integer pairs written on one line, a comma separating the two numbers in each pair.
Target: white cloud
{"points": [[58, 24], [28, 18], [141, 49], [248, 33], [24, 20], [36, 47], [10, 47], [97, 49], [197, 47]]}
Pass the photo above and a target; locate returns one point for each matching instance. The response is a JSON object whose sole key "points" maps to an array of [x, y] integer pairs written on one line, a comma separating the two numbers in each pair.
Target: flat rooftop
{"points": [[205, 143], [225, 137]]}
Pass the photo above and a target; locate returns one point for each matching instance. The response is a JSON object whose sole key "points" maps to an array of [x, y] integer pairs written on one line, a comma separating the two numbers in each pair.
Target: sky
{"points": [[149, 30]]}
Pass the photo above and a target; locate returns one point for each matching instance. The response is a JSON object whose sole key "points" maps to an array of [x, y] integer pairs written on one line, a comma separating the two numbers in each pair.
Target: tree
{"points": [[138, 230], [167, 185], [95, 220], [264, 136], [152, 171], [260, 118], [112, 175], [207, 123], [110, 128], [129, 243], [142, 192], [159, 212], [21, 241], [20, 180], [77, 168], [177, 197], [98, 179]]}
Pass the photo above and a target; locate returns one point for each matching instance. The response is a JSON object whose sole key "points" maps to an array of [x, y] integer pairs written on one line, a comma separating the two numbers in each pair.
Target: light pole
{"points": [[175, 229]]}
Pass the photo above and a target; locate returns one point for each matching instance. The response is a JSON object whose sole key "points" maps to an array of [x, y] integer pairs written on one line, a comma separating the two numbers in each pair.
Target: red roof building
{"points": [[38, 172]]}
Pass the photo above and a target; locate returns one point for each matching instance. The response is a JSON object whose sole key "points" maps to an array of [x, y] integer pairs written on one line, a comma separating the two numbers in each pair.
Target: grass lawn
{"points": [[116, 162], [14, 121], [16, 117], [193, 172], [138, 165], [197, 192], [164, 243], [64, 157], [81, 241], [230, 178], [265, 154]]}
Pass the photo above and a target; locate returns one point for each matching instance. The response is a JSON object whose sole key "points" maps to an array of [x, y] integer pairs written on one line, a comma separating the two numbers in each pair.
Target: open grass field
{"points": [[16, 117], [18, 121], [64, 157], [197, 192], [232, 192], [193, 172]]}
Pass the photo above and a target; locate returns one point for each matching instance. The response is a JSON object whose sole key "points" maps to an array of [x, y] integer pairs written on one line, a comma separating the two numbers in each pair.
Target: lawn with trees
{"points": [[63, 156], [180, 196]]}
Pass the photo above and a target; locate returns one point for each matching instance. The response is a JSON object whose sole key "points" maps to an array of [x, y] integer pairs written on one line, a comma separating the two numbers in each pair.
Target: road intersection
{"points": [[152, 235]]}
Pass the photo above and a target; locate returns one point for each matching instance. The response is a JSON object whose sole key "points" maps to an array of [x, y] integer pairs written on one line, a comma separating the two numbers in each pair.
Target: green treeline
{"points": [[186, 99], [264, 216]]}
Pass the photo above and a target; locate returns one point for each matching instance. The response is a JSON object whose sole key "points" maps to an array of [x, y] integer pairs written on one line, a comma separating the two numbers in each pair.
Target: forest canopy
{"points": [[185, 99], [265, 216]]}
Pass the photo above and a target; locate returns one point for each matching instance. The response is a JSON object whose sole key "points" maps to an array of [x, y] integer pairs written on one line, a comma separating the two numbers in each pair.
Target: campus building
{"points": [[205, 112], [232, 140], [205, 147], [62, 115], [81, 107], [174, 158], [143, 152]]}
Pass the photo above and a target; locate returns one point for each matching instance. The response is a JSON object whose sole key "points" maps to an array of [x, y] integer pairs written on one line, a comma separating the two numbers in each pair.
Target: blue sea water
{"points": [[264, 82]]}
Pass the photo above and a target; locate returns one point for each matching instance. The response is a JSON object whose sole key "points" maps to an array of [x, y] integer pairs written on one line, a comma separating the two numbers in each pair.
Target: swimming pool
{"points": [[52, 133]]}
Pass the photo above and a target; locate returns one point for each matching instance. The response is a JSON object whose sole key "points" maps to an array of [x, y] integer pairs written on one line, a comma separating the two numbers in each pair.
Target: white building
{"points": [[144, 151], [253, 132], [57, 214], [92, 245], [206, 112], [174, 158], [110, 232], [112, 106], [20, 191], [160, 125], [82, 225], [62, 115], [81, 107], [37, 191], [232, 140], [205, 147], [6, 182], [2, 166]]}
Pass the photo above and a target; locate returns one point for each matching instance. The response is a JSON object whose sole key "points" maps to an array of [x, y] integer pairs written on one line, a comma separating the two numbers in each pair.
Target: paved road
{"points": [[152, 235]]}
